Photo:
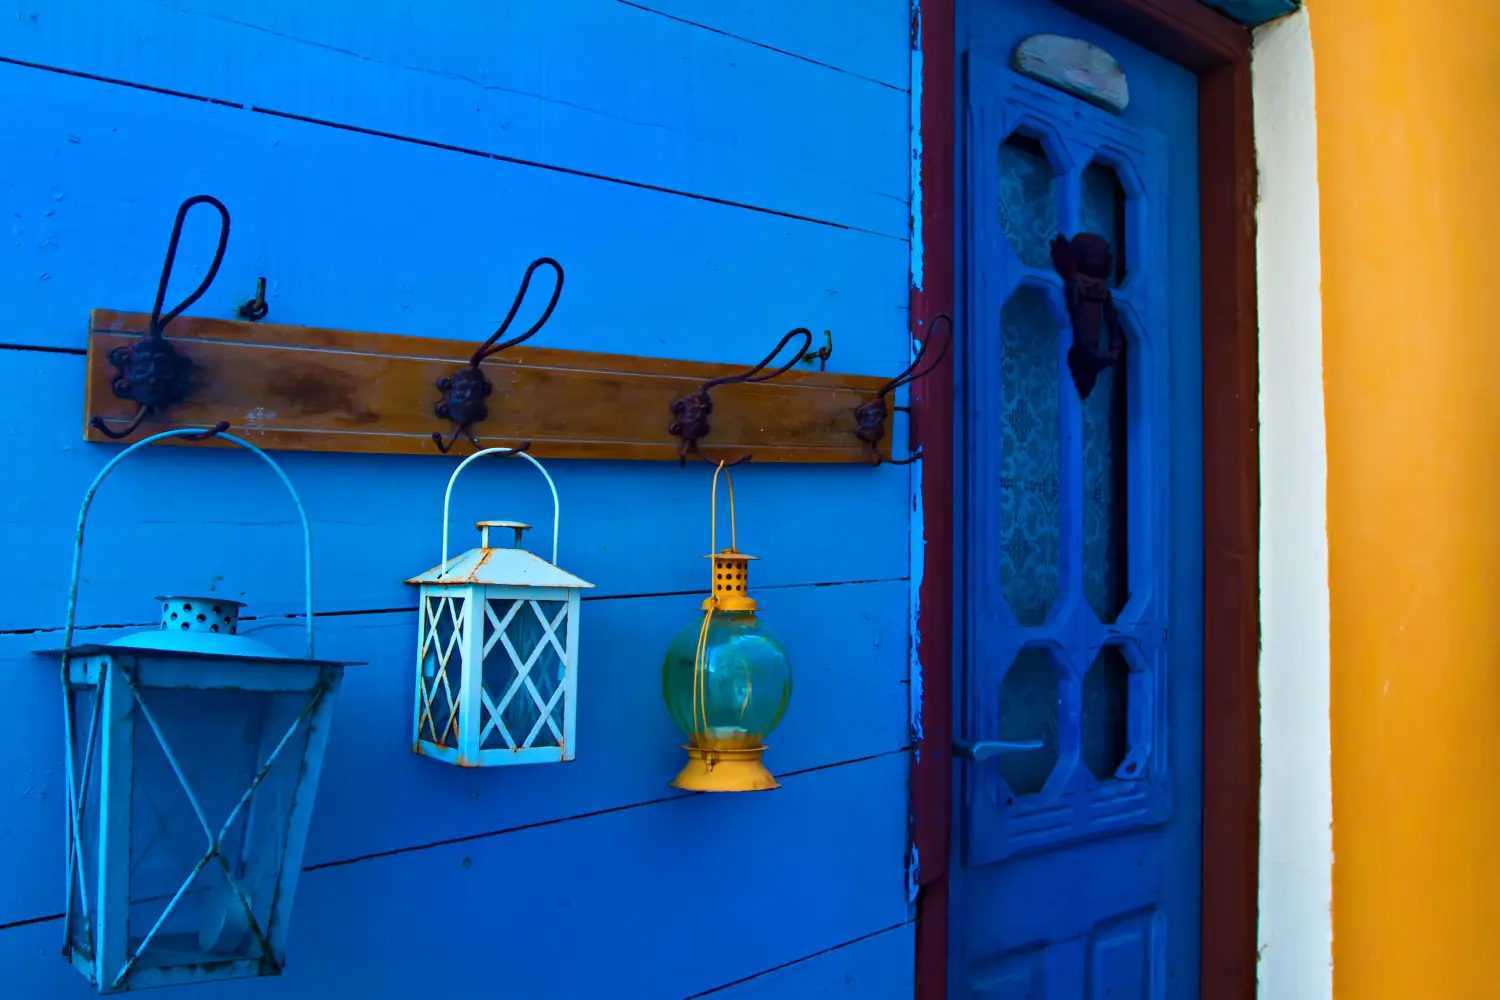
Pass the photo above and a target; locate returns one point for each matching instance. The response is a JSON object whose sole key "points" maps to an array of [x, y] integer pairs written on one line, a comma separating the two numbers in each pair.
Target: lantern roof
{"points": [[202, 628], [246, 650], [510, 567]]}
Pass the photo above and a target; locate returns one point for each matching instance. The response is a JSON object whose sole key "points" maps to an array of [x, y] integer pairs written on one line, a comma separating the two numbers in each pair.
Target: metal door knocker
{"points": [[1084, 264]]}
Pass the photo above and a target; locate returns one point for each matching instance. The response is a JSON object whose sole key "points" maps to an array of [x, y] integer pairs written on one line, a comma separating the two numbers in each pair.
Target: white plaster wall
{"points": [[1296, 848]]}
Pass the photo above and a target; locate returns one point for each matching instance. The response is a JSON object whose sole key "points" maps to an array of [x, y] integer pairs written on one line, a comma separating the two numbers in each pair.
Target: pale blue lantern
{"points": [[193, 755], [497, 648]]}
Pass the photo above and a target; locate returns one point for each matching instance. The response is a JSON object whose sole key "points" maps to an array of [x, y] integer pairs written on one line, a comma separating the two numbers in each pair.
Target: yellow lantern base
{"points": [[724, 771]]}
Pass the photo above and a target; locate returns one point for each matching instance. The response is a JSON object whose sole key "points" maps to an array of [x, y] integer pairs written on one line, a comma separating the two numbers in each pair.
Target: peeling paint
{"points": [[917, 537], [918, 547], [916, 533], [916, 146]]}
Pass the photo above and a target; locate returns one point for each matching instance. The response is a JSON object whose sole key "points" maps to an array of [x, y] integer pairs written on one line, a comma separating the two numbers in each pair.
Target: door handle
{"points": [[985, 749]]}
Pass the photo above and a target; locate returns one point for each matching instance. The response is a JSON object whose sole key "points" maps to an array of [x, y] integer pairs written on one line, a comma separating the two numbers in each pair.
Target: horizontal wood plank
{"points": [[594, 86], [848, 653], [305, 389], [357, 232], [878, 967], [599, 906], [870, 38]]}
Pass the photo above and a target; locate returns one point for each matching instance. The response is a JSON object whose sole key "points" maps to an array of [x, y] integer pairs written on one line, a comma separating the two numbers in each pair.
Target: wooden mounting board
{"points": [[294, 388]]}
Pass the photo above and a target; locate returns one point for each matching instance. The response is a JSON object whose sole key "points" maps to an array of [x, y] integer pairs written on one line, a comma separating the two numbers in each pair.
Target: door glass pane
{"points": [[1105, 580], [1105, 577], [1103, 212], [1029, 697], [1105, 720], [1028, 204], [1030, 463]]}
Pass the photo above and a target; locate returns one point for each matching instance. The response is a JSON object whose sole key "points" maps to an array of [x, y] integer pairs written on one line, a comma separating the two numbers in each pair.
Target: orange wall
{"points": [[1408, 100]]}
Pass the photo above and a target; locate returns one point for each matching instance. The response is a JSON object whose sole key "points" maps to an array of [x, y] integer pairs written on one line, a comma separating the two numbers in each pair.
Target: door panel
{"points": [[1072, 614], [1080, 686]]}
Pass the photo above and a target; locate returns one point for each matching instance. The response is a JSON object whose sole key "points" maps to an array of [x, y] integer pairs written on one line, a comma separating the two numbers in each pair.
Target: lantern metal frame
{"points": [[476, 629], [117, 673]]}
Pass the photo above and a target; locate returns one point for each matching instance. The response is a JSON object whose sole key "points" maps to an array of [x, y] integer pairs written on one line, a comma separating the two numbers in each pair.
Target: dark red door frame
{"points": [[1218, 50]]}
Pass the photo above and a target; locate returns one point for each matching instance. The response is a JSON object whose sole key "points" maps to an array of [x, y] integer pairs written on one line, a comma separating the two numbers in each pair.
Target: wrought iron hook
{"points": [[149, 370], [158, 321], [690, 413], [256, 309], [466, 389], [869, 418], [822, 354], [140, 415], [98, 424], [447, 446], [214, 431]]}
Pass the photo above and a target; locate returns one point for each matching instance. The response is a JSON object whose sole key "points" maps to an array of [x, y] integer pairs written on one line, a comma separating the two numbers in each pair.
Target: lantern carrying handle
{"points": [[192, 433], [713, 517], [448, 496]]}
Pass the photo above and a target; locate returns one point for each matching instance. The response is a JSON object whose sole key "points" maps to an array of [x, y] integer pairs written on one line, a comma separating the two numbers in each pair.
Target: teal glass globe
{"points": [[747, 677]]}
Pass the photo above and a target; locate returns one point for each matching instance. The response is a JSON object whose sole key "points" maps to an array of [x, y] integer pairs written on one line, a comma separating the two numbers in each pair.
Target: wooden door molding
{"points": [[1218, 51]]}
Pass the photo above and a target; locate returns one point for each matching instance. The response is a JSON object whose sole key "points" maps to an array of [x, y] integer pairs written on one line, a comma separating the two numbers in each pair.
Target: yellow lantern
{"points": [[726, 680]]}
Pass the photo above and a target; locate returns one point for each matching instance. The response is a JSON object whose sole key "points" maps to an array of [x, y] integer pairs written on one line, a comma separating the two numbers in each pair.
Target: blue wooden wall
{"points": [[710, 175]]}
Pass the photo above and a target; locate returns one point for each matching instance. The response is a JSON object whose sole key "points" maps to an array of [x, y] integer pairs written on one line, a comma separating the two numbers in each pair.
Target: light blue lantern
{"points": [[193, 755], [497, 648]]}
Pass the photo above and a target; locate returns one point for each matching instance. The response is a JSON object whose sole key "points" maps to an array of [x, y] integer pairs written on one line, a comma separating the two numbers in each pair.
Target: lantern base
{"points": [[724, 771]]}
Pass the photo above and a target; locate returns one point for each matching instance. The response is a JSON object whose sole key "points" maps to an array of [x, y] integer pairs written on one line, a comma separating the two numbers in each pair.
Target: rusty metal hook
{"points": [[458, 429], [214, 431], [466, 389], [690, 413], [98, 424], [500, 452], [870, 417], [256, 309], [158, 321], [726, 463], [447, 446], [140, 415], [149, 370], [822, 354]]}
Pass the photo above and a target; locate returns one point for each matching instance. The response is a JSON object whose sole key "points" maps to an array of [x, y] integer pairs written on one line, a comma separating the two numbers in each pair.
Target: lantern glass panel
{"points": [[196, 755], [442, 665], [524, 669], [748, 677]]}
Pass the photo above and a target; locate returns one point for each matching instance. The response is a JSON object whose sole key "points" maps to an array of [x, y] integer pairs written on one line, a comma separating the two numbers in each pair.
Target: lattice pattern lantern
{"points": [[193, 754], [726, 679], [497, 649]]}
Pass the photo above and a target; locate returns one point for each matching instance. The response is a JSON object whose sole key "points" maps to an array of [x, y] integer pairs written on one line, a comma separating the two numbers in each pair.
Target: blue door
{"points": [[1079, 692]]}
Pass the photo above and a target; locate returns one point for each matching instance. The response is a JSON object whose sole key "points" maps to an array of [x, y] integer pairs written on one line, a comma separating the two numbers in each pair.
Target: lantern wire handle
{"points": [[713, 519], [448, 496], [187, 433], [700, 657]]}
